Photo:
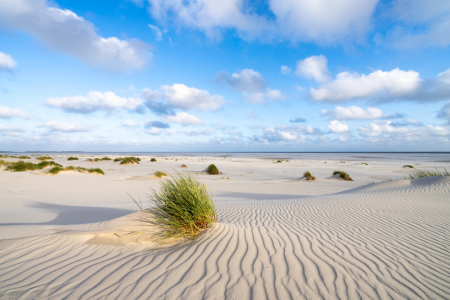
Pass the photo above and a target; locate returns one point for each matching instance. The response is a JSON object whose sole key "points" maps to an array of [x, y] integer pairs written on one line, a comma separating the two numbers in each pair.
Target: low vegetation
{"points": [[343, 175], [308, 176], [153, 160], [24, 157], [408, 166], [57, 169], [72, 158], [182, 208], [278, 161], [160, 174], [212, 170], [365, 164], [99, 159], [427, 173], [42, 158], [183, 166], [130, 160], [21, 166]]}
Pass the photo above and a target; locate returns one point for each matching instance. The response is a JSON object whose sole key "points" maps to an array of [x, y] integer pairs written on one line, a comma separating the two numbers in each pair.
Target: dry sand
{"points": [[67, 236]]}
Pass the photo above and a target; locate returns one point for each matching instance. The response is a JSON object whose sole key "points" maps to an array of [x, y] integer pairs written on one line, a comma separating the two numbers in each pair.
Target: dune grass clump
{"points": [[89, 159], [308, 176], [130, 160], [57, 169], [72, 158], [153, 160], [24, 157], [183, 166], [408, 166], [182, 208], [42, 158], [365, 164], [343, 175], [428, 173], [21, 166], [160, 174], [278, 161], [212, 170]]}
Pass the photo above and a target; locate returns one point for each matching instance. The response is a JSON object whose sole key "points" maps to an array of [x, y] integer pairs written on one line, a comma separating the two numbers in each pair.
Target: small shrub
{"points": [[72, 158], [42, 158], [408, 166], [153, 160], [183, 207], [343, 175], [212, 170], [160, 174], [130, 160], [308, 176], [183, 166]]}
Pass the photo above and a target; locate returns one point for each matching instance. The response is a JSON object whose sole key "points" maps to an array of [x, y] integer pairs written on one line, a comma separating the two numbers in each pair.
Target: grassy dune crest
{"points": [[182, 208], [42, 158], [343, 175], [21, 166], [56, 170]]}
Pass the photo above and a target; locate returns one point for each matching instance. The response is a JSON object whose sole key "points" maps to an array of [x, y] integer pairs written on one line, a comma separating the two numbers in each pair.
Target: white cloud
{"points": [[64, 31], [10, 128], [285, 70], [378, 128], [355, 113], [65, 127], [184, 97], [153, 131], [268, 95], [378, 84], [444, 112], [314, 67], [338, 127], [95, 101], [310, 129], [158, 33], [129, 123], [7, 63], [324, 22], [342, 139], [183, 118], [196, 132], [247, 80], [286, 136], [7, 113]]}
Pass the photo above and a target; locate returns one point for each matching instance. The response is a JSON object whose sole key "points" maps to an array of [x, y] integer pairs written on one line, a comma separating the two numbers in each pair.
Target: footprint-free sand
{"points": [[77, 236]]}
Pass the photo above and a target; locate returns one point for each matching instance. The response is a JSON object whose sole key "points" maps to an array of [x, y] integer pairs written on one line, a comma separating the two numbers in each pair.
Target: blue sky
{"points": [[233, 75]]}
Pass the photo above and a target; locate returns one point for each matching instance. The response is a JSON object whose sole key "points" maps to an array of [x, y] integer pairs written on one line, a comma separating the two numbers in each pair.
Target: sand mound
{"points": [[380, 241]]}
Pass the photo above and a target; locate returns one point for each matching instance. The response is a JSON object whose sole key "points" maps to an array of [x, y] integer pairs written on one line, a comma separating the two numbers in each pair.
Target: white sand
{"points": [[65, 236]]}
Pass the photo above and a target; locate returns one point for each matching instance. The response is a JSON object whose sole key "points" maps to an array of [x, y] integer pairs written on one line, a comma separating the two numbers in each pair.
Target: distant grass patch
{"points": [[21, 166], [408, 167], [130, 160], [24, 157], [72, 158], [365, 164], [278, 161], [308, 176], [153, 160], [42, 158], [343, 175], [182, 208], [160, 174], [57, 169], [212, 170], [183, 166]]}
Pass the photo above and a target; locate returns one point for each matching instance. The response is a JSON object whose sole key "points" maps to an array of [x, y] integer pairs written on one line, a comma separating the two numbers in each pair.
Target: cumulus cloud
{"points": [[196, 132], [129, 123], [156, 124], [279, 134], [10, 128], [357, 113], [376, 129], [268, 95], [338, 127], [384, 85], [292, 20], [65, 127], [64, 31], [314, 67], [247, 80], [285, 70], [8, 113], [95, 101], [7, 63], [183, 118]]}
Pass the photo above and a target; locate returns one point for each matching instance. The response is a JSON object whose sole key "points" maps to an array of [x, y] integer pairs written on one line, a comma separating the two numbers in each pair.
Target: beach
{"points": [[77, 236]]}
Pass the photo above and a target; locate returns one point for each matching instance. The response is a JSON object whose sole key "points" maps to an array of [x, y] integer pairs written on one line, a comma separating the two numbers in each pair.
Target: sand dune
{"points": [[377, 241]]}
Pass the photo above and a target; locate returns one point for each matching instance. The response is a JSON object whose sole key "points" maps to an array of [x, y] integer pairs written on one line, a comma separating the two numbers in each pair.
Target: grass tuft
{"points": [[408, 166], [343, 175], [128, 160], [72, 158], [160, 174], [56, 170], [153, 160], [428, 173], [212, 170], [42, 158], [24, 157], [183, 166], [182, 208], [308, 176], [21, 166]]}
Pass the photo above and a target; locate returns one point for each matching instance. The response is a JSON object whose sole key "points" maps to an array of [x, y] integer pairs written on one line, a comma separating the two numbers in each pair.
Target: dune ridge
{"points": [[387, 240]]}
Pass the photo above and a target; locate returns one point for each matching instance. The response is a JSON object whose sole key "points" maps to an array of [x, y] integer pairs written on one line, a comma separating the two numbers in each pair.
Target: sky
{"points": [[225, 76]]}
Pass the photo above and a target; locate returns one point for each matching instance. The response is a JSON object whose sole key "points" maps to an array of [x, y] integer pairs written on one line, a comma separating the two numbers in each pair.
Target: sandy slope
{"points": [[278, 238]]}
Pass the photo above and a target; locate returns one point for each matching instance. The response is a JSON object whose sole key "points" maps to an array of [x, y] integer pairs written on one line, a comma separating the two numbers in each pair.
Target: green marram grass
{"points": [[160, 174], [183, 166], [408, 166], [42, 158], [343, 175], [24, 157], [308, 176], [57, 169], [21, 166], [428, 173], [72, 158], [182, 208], [212, 170], [153, 160]]}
